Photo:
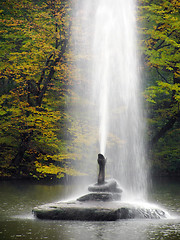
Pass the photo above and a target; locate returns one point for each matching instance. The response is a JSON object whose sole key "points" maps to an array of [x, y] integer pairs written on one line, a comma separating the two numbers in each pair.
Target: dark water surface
{"points": [[17, 198]]}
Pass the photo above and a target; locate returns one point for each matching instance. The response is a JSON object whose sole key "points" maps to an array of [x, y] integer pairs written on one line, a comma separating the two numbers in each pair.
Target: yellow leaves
{"points": [[164, 87], [3, 31], [23, 117], [28, 31], [51, 169], [55, 170], [4, 97], [177, 74], [153, 93], [11, 22]]}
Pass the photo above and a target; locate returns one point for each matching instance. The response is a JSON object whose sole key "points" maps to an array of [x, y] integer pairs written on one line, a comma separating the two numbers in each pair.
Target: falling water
{"points": [[107, 35]]}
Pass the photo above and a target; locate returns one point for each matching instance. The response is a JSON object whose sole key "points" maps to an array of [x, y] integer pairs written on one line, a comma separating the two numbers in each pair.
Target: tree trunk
{"points": [[164, 129], [25, 140], [173, 119]]}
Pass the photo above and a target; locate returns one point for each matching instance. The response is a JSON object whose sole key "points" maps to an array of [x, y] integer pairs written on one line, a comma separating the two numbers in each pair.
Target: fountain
{"points": [[101, 204], [118, 111], [106, 42]]}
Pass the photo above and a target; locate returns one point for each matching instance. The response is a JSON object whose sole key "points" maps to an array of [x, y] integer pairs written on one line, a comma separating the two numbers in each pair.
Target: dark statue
{"points": [[101, 161]]}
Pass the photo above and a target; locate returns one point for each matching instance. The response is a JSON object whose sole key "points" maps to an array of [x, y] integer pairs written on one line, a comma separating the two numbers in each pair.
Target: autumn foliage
{"points": [[37, 72], [34, 74]]}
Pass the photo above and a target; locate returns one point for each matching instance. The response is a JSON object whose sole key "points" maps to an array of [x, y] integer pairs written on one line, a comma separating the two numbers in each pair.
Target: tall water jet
{"points": [[107, 95], [107, 34]]}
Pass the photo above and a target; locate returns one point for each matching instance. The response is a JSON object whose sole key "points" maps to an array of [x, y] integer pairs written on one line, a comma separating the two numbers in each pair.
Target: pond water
{"points": [[17, 198]]}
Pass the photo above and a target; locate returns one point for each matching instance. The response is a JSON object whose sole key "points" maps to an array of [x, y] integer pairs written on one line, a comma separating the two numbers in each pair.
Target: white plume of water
{"points": [[109, 36]]}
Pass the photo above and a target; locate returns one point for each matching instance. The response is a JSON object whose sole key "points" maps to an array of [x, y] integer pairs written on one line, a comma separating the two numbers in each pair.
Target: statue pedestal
{"points": [[101, 204], [108, 191], [109, 186]]}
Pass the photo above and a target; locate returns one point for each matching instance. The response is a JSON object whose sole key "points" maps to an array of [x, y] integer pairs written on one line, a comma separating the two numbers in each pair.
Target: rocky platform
{"points": [[95, 211], [101, 204]]}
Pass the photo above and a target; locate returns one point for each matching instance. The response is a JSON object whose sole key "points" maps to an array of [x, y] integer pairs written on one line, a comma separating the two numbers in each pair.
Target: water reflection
{"points": [[17, 222], [169, 231], [62, 230]]}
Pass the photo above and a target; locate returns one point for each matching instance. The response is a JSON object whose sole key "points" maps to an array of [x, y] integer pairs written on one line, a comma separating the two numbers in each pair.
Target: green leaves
{"points": [[161, 33], [161, 27], [33, 49], [159, 22]]}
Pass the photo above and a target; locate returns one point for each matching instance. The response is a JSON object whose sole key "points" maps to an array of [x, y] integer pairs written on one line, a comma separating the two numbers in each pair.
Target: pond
{"points": [[17, 198]]}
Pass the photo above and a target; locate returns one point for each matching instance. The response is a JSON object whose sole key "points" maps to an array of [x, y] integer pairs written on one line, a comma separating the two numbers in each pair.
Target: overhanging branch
{"points": [[164, 129]]}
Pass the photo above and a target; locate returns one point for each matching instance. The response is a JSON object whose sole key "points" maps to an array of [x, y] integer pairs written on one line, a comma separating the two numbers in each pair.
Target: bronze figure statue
{"points": [[101, 161]]}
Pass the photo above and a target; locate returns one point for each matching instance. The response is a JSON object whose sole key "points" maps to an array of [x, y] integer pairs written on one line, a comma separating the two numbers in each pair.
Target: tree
{"points": [[160, 37], [161, 53], [34, 59]]}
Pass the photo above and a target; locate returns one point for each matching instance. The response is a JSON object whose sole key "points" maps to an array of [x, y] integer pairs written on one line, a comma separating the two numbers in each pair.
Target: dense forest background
{"points": [[37, 74]]}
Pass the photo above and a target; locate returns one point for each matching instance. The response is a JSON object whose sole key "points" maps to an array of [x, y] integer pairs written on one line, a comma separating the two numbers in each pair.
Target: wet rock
{"points": [[95, 211], [100, 196]]}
